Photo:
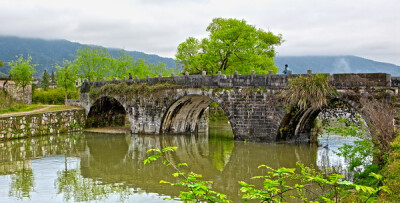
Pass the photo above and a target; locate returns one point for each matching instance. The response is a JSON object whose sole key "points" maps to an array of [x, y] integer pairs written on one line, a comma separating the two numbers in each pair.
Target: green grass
{"points": [[59, 108], [19, 108]]}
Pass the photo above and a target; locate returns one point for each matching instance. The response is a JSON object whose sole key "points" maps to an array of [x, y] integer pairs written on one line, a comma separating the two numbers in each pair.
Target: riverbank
{"points": [[110, 130], [34, 108], [49, 120]]}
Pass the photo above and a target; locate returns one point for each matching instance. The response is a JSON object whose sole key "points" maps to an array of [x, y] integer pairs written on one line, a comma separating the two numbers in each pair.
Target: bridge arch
{"points": [[106, 111], [188, 114], [297, 125]]}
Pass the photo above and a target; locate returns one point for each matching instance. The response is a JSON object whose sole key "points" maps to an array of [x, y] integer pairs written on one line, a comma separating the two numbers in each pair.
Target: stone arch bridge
{"points": [[178, 104]]}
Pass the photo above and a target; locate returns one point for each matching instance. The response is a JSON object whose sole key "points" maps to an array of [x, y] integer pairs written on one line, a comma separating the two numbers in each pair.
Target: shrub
{"points": [[53, 96]]}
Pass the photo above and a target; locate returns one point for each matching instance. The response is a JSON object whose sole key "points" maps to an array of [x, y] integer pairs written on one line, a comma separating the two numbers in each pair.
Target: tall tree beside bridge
{"points": [[21, 71], [231, 45], [67, 74]]}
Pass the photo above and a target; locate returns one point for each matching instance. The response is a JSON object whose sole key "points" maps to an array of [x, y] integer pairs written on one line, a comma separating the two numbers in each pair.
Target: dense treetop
{"points": [[231, 45]]}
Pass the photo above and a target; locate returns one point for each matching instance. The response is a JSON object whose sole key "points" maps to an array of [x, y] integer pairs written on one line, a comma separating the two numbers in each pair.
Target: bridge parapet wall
{"points": [[271, 81]]}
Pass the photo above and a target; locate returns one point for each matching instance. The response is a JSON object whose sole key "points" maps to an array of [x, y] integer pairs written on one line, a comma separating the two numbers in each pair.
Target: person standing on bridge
{"points": [[130, 76], [287, 69]]}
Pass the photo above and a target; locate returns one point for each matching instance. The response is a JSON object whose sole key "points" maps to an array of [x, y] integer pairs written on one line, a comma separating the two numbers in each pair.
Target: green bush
{"points": [[216, 113], [53, 96]]}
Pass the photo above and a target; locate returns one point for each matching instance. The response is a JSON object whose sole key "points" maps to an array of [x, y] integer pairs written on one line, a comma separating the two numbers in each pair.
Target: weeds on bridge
{"points": [[309, 91], [128, 90]]}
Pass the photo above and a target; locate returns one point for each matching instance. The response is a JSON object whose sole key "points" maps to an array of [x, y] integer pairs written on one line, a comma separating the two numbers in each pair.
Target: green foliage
{"points": [[53, 77], [98, 63], [356, 128], [92, 62], [21, 71], [216, 113], [66, 77], [358, 155], [278, 185], [311, 91], [328, 188], [54, 95], [45, 80], [363, 178], [1, 64], [391, 173], [18, 108], [231, 45], [195, 190]]}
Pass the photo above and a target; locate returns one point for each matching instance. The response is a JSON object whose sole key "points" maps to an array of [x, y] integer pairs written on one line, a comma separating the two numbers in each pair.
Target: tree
{"points": [[93, 62], [21, 71], [66, 77], [231, 45], [53, 78], [45, 80], [121, 65], [1, 64]]}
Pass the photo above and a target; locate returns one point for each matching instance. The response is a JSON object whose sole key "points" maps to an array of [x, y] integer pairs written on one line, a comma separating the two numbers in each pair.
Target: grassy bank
{"points": [[391, 172], [20, 108], [9, 104]]}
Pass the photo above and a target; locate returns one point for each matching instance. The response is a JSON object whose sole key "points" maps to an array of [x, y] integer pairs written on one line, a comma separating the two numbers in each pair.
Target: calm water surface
{"points": [[109, 168]]}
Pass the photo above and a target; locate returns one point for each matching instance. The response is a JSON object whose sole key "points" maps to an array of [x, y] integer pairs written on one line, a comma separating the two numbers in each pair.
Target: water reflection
{"points": [[86, 167]]}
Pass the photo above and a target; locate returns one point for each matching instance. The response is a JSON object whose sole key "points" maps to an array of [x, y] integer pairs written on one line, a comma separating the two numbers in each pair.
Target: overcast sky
{"points": [[366, 28]]}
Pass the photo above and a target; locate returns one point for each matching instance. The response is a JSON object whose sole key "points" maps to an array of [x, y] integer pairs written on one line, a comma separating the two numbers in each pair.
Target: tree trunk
{"points": [[23, 95], [66, 94]]}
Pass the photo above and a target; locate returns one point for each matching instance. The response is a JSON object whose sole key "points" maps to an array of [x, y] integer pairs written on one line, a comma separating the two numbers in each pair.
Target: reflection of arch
{"points": [[186, 114], [297, 124], [106, 111]]}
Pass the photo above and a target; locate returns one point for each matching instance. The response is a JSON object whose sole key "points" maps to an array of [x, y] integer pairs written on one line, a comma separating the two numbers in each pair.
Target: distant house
{"points": [[6, 84]]}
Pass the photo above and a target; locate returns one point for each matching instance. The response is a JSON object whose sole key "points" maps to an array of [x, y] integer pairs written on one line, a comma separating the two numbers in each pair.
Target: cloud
{"points": [[310, 27]]}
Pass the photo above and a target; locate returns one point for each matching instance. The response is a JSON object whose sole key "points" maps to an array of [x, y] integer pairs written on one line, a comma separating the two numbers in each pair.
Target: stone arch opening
{"points": [[299, 125], [105, 112], [188, 114]]}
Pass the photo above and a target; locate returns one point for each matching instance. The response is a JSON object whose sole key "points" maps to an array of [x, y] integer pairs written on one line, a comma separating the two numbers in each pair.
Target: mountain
{"points": [[335, 64], [47, 53]]}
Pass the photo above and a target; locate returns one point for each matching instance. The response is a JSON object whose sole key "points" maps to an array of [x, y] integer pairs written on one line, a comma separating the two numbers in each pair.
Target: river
{"points": [[109, 168]]}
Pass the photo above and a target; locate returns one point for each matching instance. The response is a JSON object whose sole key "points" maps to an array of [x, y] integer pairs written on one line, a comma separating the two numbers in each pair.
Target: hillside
{"points": [[335, 64], [47, 53]]}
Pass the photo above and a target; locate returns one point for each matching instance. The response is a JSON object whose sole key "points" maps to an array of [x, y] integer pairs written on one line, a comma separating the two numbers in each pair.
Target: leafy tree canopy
{"points": [[98, 63], [92, 62], [1, 64], [21, 71], [67, 74], [231, 45]]}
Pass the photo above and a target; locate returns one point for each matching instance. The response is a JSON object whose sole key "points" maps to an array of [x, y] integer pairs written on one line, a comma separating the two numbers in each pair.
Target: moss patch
{"points": [[125, 89]]}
